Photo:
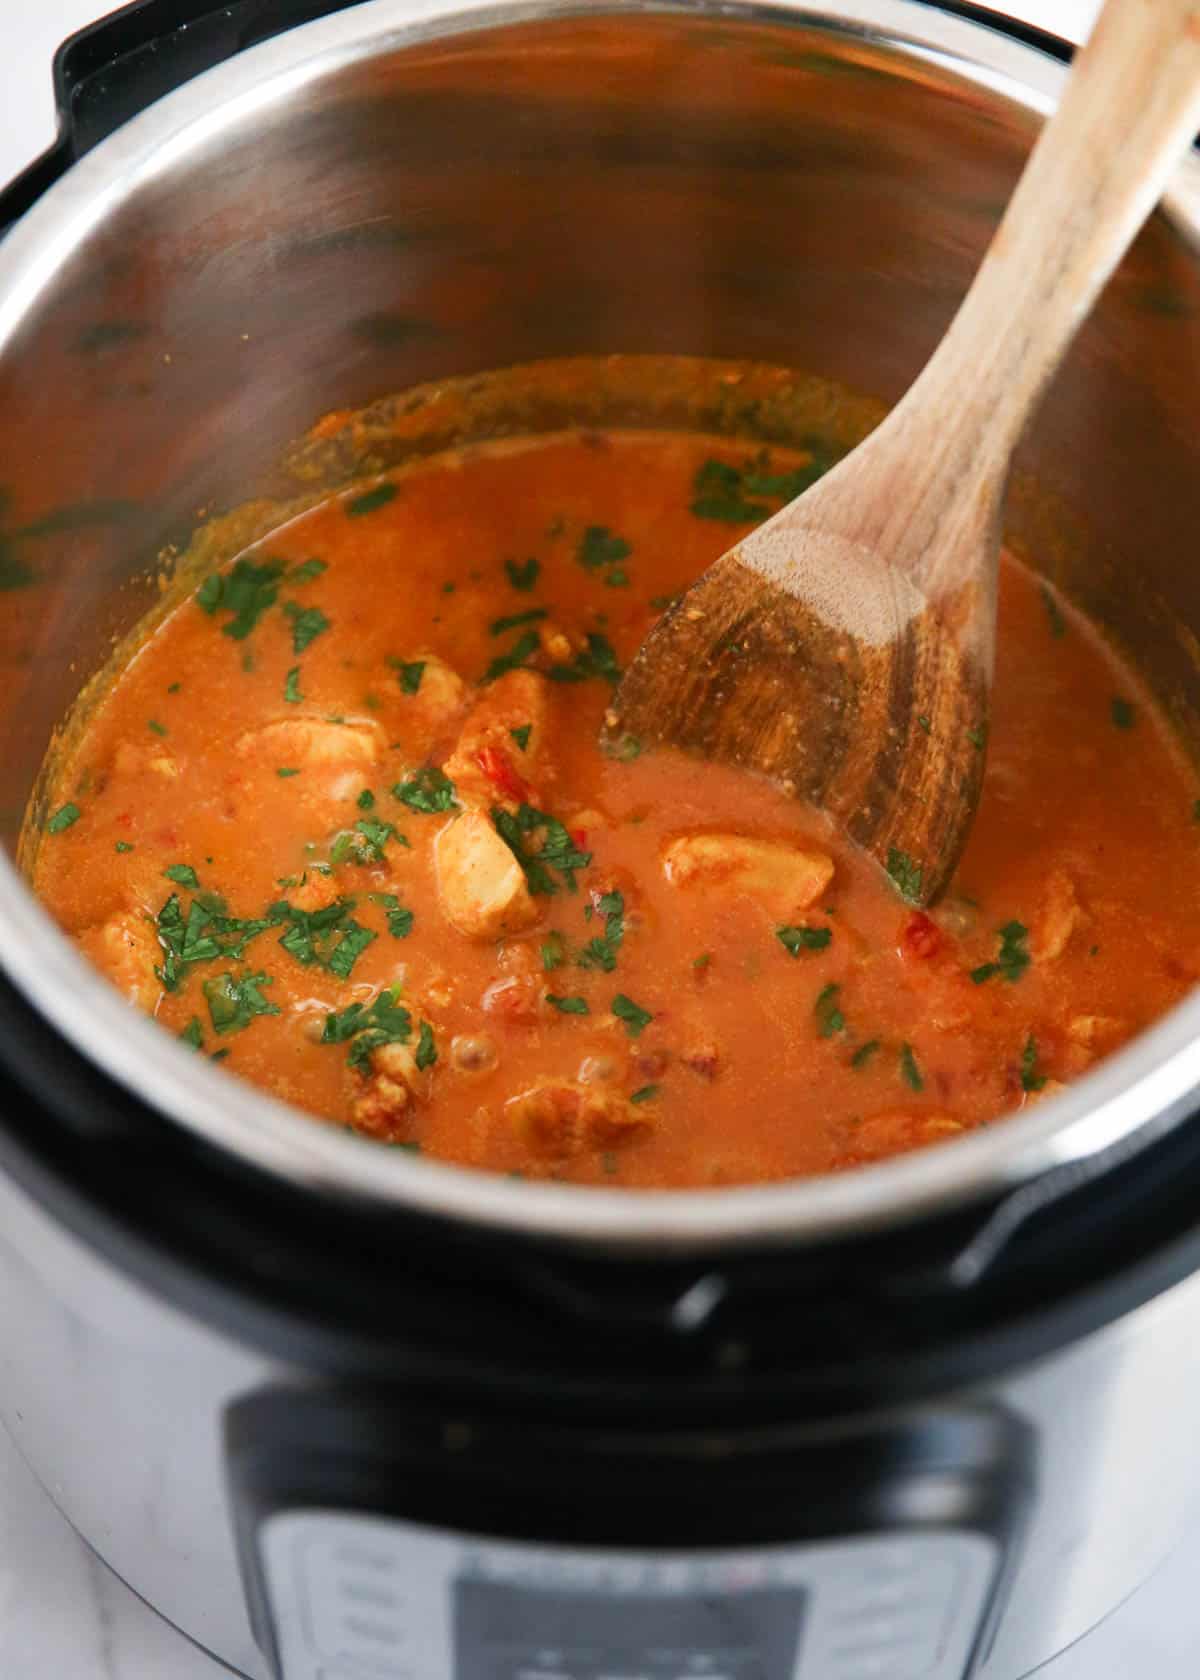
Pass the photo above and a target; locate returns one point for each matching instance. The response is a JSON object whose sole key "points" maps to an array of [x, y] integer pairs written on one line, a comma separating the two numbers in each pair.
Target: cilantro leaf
{"points": [[1123, 712], [63, 818], [429, 790], [1031, 1079], [233, 1004], [366, 1027], [557, 852], [527, 643], [193, 1033], [349, 948], [307, 569], [514, 620], [182, 874], [246, 592], [568, 1005], [863, 1054], [307, 624], [635, 1018], [554, 952], [1012, 959], [601, 951], [646, 1093], [379, 497], [426, 1052], [828, 1011], [399, 920], [599, 547], [410, 674], [523, 577], [797, 939], [291, 687], [905, 874], [909, 1071], [521, 736]]}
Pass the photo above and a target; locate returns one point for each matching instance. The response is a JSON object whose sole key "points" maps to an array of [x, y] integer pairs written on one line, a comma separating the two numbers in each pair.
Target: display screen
{"points": [[505, 1631]]}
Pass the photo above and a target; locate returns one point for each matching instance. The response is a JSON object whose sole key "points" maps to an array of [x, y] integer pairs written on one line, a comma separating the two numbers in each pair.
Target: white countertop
{"points": [[63, 1616]]}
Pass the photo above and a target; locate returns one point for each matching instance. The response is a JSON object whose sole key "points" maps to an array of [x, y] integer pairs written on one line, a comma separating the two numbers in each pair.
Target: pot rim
{"points": [[1132, 1099]]}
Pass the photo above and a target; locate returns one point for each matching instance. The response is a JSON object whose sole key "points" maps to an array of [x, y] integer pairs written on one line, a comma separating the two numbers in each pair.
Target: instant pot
{"points": [[343, 1414]]}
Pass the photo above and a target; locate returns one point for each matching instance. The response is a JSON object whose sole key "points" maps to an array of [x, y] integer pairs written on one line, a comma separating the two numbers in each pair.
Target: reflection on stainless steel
{"points": [[396, 195]]}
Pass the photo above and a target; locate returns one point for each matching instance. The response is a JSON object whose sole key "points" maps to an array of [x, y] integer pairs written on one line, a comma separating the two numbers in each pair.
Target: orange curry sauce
{"points": [[289, 808]]}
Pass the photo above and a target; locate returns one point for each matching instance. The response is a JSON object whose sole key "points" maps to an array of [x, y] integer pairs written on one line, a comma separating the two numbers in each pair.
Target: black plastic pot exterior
{"points": [[557, 1438]]}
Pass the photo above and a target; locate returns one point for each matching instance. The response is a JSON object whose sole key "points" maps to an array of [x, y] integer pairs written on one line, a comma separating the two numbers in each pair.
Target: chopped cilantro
{"points": [[429, 790], [596, 659], [375, 836], [410, 673], [399, 920], [978, 736], [829, 1016], [568, 1005], [909, 1071], [307, 569], [1012, 959], [155, 727], [245, 592], [645, 1093], [426, 1052], [173, 688], [193, 1033], [905, 874], [286, 770], [365, 1027], [554, 952], [703, 961], [365, 800], [863, 1054], [1058, 624], [557, 851], [379, 497], [618, 578], [1122, 712], [233, 1004], [797, 939], [521, 736], [291, 687], [514, 620], [513, 658], [601, 951], [182, 874], [124, 846], [635, 1018], [349, 948], [924, 723], [63, 818], [1031, 1079], [307, 624], [741, 495], [311, 933], [599, 547], [523, 577]]}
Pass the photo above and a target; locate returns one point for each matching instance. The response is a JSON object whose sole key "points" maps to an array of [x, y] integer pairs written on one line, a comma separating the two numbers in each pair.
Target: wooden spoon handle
{"points": [[925, 489], [1130, 107]]}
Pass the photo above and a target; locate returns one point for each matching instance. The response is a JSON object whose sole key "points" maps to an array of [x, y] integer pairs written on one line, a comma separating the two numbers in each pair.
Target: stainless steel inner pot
{"points": [[413, 190]]}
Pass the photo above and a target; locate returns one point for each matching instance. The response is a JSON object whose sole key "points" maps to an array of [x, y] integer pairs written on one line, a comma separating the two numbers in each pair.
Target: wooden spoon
{"points": [[845, 649]]}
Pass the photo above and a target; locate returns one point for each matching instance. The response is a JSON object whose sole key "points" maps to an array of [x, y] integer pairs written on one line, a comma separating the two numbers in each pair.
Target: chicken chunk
{"points": [[385, 1104], [786, 877], [126, 949], [562, 1118], [313, 743], [1061, 914], [495, 762], [481, 887]]}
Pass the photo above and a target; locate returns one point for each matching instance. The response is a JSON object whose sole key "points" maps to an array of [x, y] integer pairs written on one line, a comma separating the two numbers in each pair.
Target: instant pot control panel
{"points": [[384, 1539], [360, 1598]]}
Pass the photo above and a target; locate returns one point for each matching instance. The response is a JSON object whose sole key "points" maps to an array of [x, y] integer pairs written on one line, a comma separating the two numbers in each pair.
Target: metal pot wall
{"points": [[405, 192]]}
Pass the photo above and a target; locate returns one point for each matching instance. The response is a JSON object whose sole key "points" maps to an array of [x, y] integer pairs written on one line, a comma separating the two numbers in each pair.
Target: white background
{"points": [[62, 1616]]}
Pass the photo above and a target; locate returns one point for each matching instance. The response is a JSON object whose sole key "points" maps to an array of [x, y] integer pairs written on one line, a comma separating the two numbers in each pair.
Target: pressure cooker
{"points": [[343, 1414]]}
